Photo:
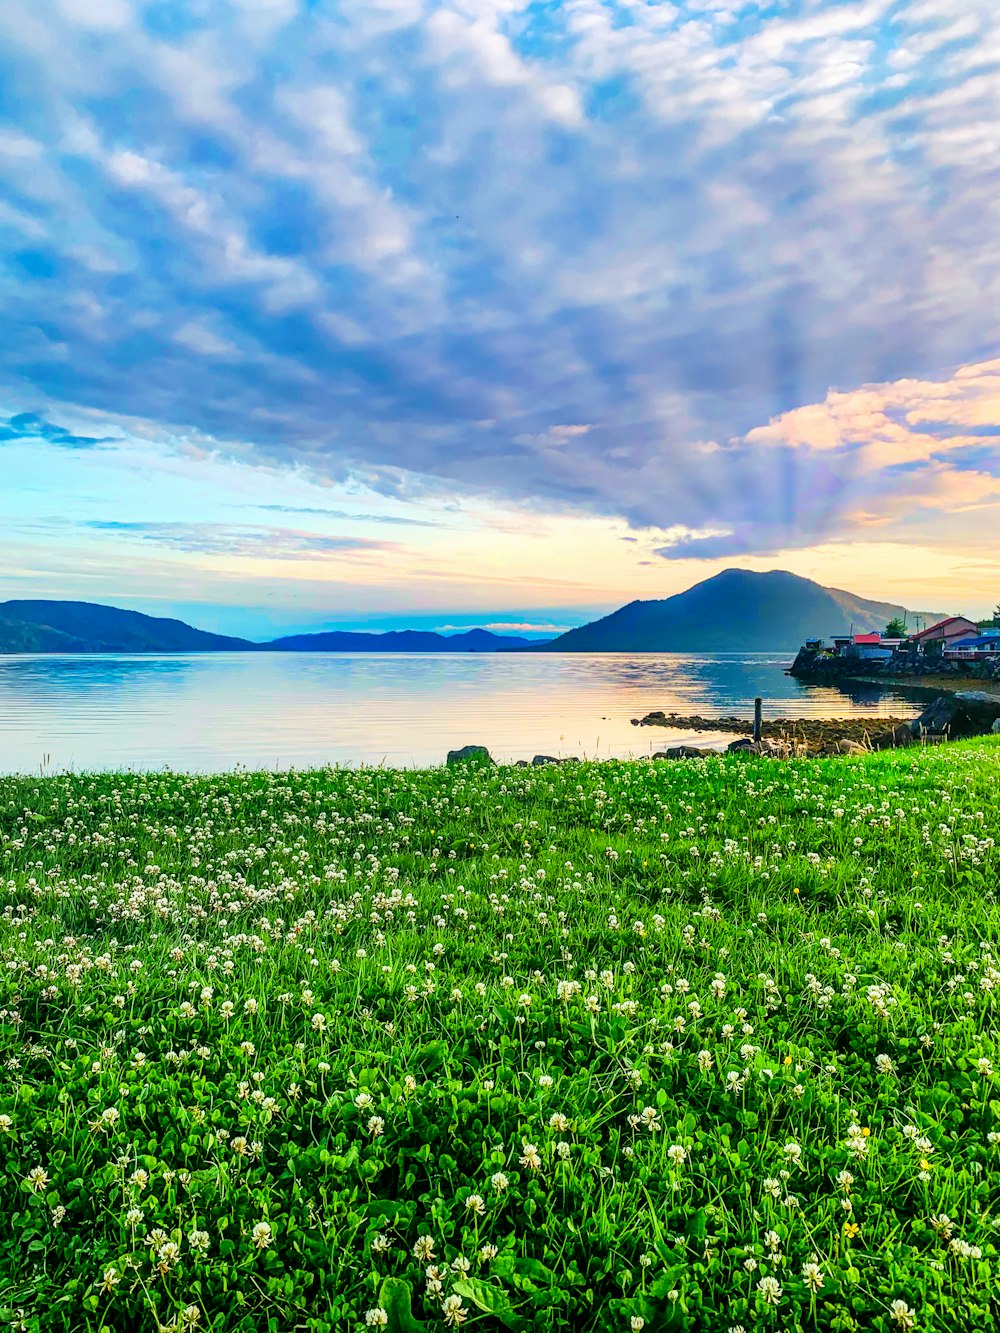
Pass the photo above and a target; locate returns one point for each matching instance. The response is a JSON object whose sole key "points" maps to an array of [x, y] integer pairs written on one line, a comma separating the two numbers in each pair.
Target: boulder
{"points": [[541, 759], [680, 752], [475, 754], [982, 708], [848, 747], [996, 727], [945, 714]]}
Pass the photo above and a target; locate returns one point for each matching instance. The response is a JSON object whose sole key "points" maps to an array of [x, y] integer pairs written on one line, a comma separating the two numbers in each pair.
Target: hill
{"points": [[403, 641], [87, 627], [734, 611]]}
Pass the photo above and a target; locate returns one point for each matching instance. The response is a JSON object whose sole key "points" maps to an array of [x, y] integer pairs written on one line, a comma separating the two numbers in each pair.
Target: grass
{"points": [[706, 1045]]}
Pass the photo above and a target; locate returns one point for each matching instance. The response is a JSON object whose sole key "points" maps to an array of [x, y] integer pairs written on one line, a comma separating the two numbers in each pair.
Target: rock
{"points": [[848, 747], [996, 727], [945, 714], [476, 754], [743, 746], [680, 752], [541, 759]]}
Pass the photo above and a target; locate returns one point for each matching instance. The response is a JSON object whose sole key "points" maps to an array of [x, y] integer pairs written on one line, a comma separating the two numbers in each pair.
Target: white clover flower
{"points": [[453, 1310], [377, 1317], [261, 1235], [770, 1290], [424, 1248], [902, 1315], [812, 1275]]}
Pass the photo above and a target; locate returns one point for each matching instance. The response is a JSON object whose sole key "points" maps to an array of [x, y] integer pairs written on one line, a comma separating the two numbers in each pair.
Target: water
{"points": [[206, 712]]}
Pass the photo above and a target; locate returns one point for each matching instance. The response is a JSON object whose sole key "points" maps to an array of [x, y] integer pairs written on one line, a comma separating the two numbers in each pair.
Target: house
{"points": [[938, 638], [869, 647], [985, 645]]}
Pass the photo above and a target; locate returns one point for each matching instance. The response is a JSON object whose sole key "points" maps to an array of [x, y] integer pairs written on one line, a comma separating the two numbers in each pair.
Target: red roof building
{"points": [[952, 627]]}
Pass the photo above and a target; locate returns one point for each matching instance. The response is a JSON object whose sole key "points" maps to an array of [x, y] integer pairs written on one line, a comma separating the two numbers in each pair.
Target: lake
{"points": [[212, 711]]}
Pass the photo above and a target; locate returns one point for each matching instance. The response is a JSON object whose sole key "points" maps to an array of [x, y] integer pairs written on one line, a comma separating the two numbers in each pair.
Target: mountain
{"points": [[86, 627], [735, 611], [402, 641]]}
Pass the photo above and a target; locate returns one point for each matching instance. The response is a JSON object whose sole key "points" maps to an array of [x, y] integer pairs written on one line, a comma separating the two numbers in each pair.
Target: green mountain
{"points": [[736, 611], [86, 627]]}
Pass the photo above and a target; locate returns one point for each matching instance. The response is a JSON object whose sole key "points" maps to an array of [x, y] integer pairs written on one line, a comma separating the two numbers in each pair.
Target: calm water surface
{"points": [[208, 712]]}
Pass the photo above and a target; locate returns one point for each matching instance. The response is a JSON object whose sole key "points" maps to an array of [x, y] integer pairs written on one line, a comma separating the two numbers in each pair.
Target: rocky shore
{"points": [[905, 670], [947, 717]]}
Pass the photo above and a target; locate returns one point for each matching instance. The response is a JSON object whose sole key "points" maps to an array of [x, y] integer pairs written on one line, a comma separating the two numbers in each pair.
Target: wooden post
{"points": [[757, 707]]}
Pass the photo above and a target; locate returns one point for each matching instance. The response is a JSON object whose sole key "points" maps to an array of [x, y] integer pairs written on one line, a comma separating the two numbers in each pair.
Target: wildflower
{"points": [[530, 1157], [901, 1314], [676, 1154], [376, 1126], [424, 1248], [770, 1290], [6, 1124], [637, 1323], [984, 1067], [475, 1205], [883, 1064], [851, 1230], [558, 1122], [453, 1310], [499, 1182], [38, 1178], [261, 1235], [487, 1252], [813, 1276], [704, 1061], [380, 1243], [109, 1281], [377, 1318], [191, 1316]]}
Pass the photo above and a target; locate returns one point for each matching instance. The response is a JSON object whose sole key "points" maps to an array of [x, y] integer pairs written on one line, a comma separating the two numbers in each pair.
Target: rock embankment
{"points": [[801, 735], [905, 668], [948, 717]]}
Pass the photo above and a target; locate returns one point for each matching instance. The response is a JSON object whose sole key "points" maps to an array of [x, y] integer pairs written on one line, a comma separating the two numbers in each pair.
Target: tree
{"points": [[895, 629], [991, 622]]}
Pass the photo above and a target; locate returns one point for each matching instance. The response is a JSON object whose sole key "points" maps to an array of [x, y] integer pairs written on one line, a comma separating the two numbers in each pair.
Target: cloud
{"points": [[252, 542], [393, 519], [29, 426], [604, 256]]}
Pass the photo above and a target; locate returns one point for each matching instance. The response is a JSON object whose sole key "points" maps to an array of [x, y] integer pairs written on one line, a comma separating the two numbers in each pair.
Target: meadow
{"points": [[706, 1045]]}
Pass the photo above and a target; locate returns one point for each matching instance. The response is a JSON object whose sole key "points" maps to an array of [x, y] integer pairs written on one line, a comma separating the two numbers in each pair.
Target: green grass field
{"points": [[707, 1045]]}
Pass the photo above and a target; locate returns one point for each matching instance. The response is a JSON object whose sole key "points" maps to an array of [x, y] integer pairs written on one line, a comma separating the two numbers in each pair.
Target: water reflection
{"points": [[213, 711]]}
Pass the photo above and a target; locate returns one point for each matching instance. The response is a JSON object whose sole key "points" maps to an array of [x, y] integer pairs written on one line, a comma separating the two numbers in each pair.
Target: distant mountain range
{"points": [[86, 627], [401, 641], [734, 611]]}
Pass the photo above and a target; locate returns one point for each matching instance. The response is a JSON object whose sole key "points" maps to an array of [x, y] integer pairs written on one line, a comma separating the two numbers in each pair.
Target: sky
{"points": [[504, 312]]}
